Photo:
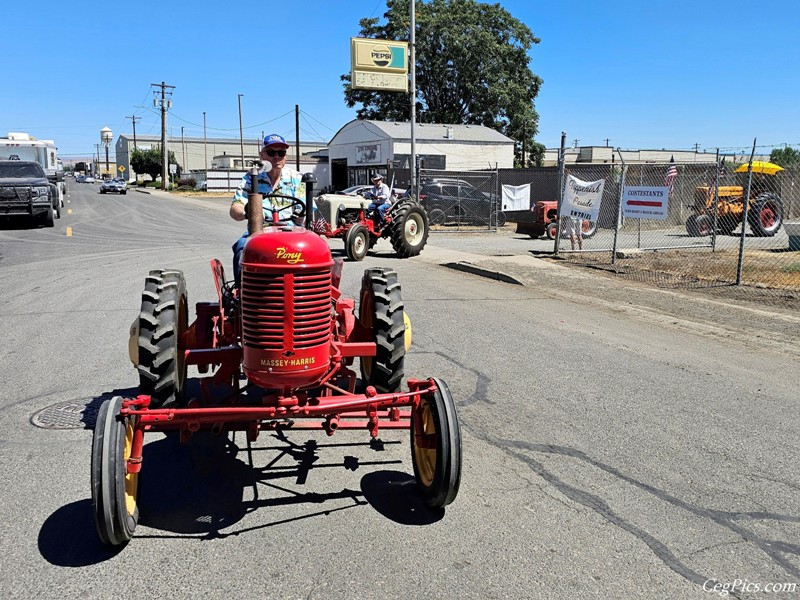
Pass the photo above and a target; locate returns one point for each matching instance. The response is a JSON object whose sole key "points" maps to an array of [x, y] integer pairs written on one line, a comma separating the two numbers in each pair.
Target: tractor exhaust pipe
{"points": [[255, 205], [309, 180]]}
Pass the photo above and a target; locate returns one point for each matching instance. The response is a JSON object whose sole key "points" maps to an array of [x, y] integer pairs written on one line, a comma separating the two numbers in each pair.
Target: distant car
{"points": [[115, 186], [80, 178], [88, 179]]}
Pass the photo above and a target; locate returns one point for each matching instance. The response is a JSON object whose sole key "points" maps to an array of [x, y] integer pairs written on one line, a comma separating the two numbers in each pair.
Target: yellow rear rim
{"points": [[426, 457], [131, 479]]}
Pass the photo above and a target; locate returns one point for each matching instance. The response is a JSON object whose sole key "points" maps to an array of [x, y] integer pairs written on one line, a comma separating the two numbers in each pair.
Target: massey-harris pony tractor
{"points": [[345, 217], [294, 337], [764, 213]]}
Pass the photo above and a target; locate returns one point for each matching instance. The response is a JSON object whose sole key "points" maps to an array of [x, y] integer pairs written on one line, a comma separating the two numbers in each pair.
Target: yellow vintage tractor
{"points": [[765, 211]]}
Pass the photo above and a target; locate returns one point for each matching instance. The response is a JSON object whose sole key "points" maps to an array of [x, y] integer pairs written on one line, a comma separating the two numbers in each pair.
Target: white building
{"points": [[363, 146]]}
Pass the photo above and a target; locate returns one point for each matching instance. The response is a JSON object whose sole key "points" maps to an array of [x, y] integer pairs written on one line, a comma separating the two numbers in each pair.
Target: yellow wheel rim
{"points": [[426, 457], [131, 479]]}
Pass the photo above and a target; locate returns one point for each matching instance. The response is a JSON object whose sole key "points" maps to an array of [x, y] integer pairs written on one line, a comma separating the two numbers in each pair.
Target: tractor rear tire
{"points": [[409, 228], [588, 229], [765, 216], [381, 312], [356, 243], [552, 230], [114, 490], [698, 225], [163, 320], [436, 448]]}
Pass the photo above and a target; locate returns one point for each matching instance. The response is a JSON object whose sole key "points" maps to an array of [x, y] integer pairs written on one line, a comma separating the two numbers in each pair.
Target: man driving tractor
{"points": [[381, 196]]}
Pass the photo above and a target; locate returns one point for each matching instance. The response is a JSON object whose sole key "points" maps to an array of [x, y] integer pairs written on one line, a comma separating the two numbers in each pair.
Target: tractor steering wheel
{"points": [[300, 214]]}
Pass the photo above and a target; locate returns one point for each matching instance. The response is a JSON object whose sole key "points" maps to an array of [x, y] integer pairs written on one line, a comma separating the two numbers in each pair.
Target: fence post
{"points": [[560, 197], [744, 216], [716, 204], [619, 208]]}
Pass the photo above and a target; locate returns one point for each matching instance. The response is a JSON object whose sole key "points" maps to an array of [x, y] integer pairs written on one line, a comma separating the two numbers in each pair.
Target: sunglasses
{"points": [[274, 153]]}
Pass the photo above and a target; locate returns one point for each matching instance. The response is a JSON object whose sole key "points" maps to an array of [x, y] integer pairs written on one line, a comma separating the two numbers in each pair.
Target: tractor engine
{"points": [[286, 308]]}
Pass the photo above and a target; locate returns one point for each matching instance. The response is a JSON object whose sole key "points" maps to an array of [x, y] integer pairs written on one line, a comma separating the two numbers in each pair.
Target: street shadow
{"points": [[395, 495], [89, 413], [202, 489]]}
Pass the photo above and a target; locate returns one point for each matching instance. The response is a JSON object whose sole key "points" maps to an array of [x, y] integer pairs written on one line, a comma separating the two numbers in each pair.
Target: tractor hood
{"points": [[286, 248]]}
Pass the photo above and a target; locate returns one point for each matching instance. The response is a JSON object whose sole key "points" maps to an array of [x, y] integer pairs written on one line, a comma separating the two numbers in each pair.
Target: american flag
{"points": [[672, 173]]}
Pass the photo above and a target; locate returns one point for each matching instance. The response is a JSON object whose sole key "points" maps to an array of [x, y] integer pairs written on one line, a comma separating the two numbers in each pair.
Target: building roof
{"points": [[210, 140], [426, 132]]}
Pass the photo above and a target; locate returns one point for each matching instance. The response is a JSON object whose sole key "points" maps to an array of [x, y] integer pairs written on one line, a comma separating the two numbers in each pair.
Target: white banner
{"points": [[582, 198], [642, 202], [517, 197]]}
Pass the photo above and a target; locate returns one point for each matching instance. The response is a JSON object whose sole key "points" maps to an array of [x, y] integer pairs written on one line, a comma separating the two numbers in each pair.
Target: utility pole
{"points": [[575, 141], [241, 132], [205, 150], [133, 119], [523, 145], [412, 44], [165, 105], [696, 146], [183, 149], [612, 154], [297, 135]]}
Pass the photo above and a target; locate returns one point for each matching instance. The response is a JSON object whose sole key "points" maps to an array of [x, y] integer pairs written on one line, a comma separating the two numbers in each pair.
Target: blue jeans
{"points": [[382, 208], [238, 249]]}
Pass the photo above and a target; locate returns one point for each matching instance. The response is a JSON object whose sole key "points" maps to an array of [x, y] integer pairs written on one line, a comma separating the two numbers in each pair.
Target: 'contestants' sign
{"points": [[582, 198], [641, 202]]}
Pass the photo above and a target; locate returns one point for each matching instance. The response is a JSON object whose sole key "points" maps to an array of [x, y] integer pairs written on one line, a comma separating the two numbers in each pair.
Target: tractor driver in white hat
{"points": [[380, 194]]}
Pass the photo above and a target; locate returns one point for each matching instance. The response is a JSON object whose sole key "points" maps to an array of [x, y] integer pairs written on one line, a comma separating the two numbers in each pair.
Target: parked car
{"points": [[88, 179], [115, 186], [457, 200]]}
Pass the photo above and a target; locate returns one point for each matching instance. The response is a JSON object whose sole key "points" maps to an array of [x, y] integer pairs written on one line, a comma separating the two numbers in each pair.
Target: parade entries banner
{"points": [[582, 198]]}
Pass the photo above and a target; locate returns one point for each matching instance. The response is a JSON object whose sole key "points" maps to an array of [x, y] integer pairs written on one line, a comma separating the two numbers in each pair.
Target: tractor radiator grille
{"points": [[288, 311]]}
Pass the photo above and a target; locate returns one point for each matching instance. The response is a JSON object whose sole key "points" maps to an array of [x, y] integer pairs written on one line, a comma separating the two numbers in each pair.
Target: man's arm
{"points": [[238, 206]]}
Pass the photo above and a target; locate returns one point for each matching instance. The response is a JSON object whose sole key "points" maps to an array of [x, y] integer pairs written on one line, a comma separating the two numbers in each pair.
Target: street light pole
{"points": [[241, 131]]}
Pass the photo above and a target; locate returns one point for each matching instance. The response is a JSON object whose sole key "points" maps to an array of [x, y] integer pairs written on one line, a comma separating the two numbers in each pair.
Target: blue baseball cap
{"points": [[273, 139]]}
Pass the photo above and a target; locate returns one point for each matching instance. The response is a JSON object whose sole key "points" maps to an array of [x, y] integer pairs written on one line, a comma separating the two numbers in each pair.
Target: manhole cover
{"points": [[69, 414]]}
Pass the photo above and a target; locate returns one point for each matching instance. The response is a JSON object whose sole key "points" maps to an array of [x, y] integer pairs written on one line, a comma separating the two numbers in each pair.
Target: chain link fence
{"points": [[461, 200], [719, 225]]}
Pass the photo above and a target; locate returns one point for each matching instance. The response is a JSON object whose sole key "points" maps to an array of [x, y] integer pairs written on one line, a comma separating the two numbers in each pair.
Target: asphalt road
{"points": [[612, 449]]}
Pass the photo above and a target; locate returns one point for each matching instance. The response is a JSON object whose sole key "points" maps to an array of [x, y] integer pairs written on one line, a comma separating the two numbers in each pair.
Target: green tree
{"points": [[471, 68], [149, 161], [785, 157]]}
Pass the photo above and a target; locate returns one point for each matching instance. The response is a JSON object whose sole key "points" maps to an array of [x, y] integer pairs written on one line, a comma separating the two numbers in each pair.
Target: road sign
{"points": [[121, 169]]}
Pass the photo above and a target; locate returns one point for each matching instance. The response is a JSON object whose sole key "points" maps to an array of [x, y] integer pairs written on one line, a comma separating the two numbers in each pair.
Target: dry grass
{"points": [[779, 270]]}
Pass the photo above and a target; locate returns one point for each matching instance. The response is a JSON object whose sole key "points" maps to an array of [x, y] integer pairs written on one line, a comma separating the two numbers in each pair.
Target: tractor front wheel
{"points": [[356, 243], [766, 215], [436, 447], [114, 490], [163, 319], [381, 312], [409, 228]]}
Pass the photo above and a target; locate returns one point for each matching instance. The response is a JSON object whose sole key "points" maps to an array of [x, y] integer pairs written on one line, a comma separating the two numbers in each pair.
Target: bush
{"points": [[185, 188], [153, 184], [187, 182]]}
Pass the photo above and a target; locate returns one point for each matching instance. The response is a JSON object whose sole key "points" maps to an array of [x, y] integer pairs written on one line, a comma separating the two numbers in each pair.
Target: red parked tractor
{"points": [[292, 334], [544, 222]]}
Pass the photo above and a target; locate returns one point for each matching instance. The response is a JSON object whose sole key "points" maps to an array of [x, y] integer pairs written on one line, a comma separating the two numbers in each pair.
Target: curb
{"points": [[476, 270]]}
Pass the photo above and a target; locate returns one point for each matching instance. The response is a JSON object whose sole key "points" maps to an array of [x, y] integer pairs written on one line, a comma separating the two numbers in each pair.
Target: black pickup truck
{"points": [[25, 191]]}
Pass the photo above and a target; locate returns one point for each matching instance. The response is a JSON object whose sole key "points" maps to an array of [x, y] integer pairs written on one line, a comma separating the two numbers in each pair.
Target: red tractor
{"points": [[544, 222], [345, 217], [292, 334]]}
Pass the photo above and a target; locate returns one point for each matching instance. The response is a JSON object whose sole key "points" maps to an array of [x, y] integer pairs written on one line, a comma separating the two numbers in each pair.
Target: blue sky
{"points": [[640, 73]]}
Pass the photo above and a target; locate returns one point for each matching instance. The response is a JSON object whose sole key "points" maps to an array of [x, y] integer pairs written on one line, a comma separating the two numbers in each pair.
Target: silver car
{"points": [[116, 186]]}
